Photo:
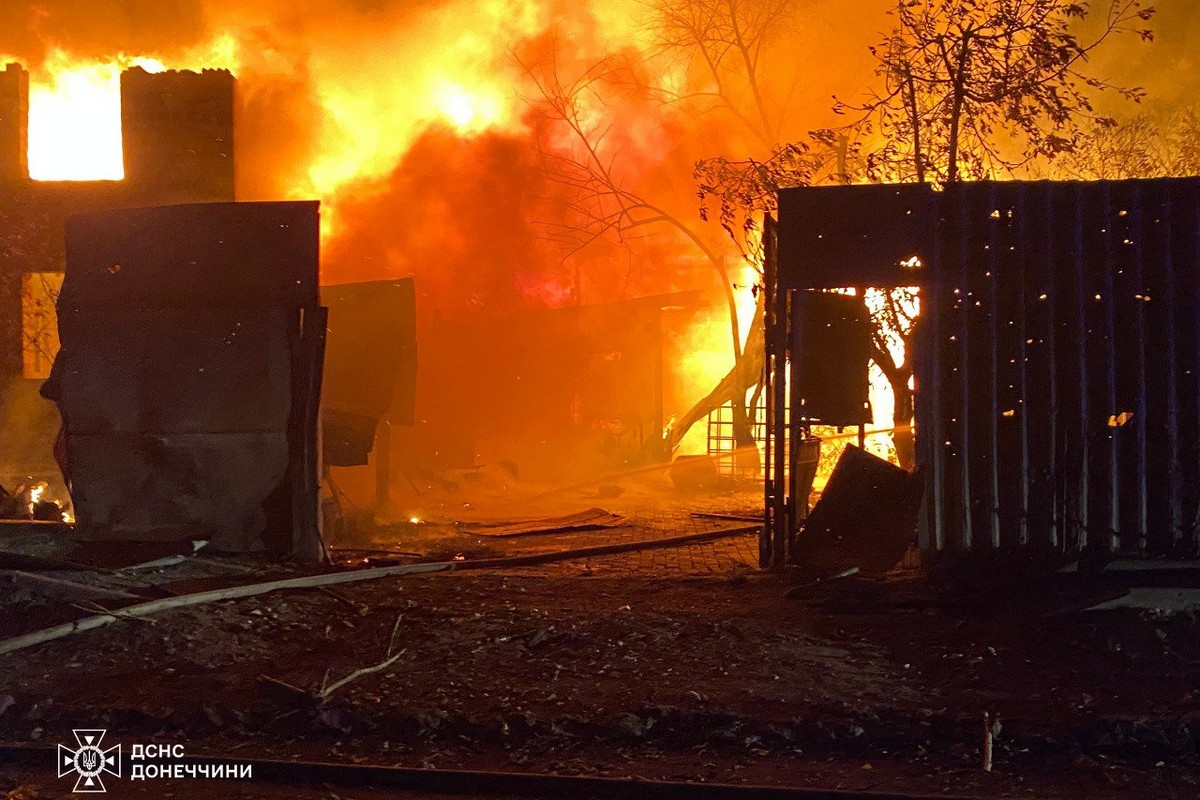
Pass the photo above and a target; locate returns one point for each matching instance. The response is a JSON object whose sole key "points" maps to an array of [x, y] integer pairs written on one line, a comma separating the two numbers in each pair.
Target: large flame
{"points": [[75, 118], [75, 108], [360, 97]]}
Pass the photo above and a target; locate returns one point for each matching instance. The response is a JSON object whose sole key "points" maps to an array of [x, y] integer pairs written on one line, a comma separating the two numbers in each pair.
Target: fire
{"points": [[75, 109], [378, 95], [35, 495], [705, 354], [365, 95], [468, 111], [75, 118]]}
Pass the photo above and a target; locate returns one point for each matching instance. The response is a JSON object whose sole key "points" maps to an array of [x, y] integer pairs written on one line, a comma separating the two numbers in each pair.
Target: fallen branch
{"points": [[58, 587], [326, 691], [991, 729], [358, 673]]}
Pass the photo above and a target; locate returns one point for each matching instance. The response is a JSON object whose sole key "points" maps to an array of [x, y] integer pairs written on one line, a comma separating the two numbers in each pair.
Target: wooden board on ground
{"points": [[590, 519]]}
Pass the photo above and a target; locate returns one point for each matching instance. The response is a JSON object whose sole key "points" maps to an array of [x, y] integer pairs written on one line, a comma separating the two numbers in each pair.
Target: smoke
{"points": [[99, 28], [457, 213], [1166, 69]]}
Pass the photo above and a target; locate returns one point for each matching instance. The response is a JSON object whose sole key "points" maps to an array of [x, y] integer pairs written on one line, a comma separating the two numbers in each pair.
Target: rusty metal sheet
{"points": [[202, 254], [175, 378]]}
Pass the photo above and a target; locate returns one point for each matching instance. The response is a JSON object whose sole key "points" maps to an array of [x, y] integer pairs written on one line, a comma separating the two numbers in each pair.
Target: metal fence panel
{"points": [[1058, 359]]}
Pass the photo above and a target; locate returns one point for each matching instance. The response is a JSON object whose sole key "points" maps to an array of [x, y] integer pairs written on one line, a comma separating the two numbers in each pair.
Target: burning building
{"points": [[177, 148]]}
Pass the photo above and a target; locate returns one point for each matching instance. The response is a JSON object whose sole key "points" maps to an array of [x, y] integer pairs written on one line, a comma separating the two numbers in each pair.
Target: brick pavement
{"points": [[651, 512], [657, 520], [717, 558]]}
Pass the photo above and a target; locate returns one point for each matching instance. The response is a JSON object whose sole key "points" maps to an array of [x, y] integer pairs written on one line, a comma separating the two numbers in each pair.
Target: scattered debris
{"points": [[152, 607], [327, 690], [28, 502], [1160, 599], [60, 587], [866, 517]]}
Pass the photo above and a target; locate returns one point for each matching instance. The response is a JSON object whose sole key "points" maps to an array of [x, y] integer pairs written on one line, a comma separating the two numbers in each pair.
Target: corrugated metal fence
{"points": [[1064, 369], [1057, 358]]}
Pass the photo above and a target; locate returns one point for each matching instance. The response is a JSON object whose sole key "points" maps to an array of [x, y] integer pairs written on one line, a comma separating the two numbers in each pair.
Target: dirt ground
{"points": [[717, 673]]}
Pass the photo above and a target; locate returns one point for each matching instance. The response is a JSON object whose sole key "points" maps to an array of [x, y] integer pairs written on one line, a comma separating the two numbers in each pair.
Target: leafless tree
{"points": [[726, 44], [600, 204], [39, 332], [966, 89], [726, 41], [972, 89], [1147, 145]]}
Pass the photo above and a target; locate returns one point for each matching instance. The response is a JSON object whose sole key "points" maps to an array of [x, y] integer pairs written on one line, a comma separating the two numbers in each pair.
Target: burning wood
{"points": [[32, 503]]}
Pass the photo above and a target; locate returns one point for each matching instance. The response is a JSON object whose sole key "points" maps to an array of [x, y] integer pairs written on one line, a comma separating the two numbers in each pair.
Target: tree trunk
{"points": [[902, 418], [898, 376], [915, 121], [731, 390], [960, 89]]}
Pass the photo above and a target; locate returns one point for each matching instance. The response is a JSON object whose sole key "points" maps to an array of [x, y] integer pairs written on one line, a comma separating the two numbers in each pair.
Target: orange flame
{"points": [[374, 96], [75, 119]]}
